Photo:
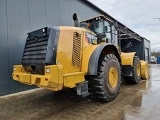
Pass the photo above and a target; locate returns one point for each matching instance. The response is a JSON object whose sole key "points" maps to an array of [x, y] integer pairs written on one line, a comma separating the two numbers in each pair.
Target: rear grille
{"points": [[76, 54], [40, 49], [35, 48]]}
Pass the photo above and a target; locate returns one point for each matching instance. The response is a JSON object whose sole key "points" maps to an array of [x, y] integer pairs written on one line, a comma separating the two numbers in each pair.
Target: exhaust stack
{"points": [[76, 20]]}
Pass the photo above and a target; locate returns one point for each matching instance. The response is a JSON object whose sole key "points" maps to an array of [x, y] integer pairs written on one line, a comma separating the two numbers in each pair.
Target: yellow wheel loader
{"points": [[81, 57]]}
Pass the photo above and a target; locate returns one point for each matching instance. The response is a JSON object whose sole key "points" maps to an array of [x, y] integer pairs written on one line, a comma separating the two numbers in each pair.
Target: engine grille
{"points": [[40, 49], [76, 54], [35, 48]]}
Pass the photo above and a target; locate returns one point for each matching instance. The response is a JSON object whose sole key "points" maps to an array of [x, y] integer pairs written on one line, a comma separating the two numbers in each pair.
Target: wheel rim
{"points": [[138, 70], [113, 77]]}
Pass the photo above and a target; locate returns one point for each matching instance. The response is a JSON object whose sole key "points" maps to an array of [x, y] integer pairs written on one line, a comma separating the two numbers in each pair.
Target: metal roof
{"points": [[109, 16]]}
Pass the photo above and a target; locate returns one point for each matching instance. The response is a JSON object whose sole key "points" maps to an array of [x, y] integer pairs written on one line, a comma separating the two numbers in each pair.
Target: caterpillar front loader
{"points": [[81, 57]]}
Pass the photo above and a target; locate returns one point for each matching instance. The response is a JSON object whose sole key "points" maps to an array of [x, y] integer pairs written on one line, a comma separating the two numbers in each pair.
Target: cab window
{"points": [[97, 27], [108, 31]]}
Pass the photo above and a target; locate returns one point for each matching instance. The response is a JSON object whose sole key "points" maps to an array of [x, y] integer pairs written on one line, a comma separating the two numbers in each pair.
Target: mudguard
{"points": [[93, 61], [127, 58]]}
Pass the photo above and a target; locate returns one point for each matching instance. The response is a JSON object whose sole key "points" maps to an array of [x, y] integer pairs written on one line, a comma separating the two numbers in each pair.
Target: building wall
{"points": [[147, 47], [137, 46], [18, 17], [142, 48]]}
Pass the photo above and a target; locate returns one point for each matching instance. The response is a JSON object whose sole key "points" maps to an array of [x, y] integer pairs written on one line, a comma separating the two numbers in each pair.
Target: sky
{"points": [[138, 15]]}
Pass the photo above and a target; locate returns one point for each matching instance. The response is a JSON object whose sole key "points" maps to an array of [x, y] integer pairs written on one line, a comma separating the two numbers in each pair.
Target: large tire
{"points": [[136, 72], [106, 84]]}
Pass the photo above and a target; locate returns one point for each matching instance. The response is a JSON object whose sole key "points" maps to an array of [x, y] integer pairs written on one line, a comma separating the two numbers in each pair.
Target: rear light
{"points": [[14, 68], [47, 70]]}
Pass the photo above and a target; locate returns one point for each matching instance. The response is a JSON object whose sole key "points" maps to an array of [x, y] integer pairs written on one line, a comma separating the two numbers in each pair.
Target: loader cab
{"points": [[104, 29]]}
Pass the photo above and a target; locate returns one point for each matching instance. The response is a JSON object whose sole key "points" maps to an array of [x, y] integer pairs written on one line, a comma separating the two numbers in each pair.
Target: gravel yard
{"points": [[134, 102]]}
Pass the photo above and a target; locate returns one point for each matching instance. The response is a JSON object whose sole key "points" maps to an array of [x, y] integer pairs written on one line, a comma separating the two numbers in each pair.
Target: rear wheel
{"points": [[136, 72], [106, 84]]}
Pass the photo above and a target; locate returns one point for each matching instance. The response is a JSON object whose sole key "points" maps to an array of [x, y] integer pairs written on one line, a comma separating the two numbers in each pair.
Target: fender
{"points": [[127, 58], [93, 61], [127, 63]]}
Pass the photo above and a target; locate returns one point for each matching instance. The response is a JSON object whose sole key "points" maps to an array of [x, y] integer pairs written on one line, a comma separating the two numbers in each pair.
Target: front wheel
{"points": [[106, 84]]}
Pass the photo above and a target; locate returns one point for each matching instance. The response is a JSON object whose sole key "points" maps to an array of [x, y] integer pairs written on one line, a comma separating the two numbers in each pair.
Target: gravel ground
{"points": [[134, 102]]}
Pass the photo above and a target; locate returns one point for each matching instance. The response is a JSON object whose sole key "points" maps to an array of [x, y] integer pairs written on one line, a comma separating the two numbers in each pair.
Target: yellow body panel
{"points": [[22, 77], [127, 58], [52, 80], [144, 70], [86, 56], [65, 73], [70, 80], [65, 48], [20, 74]]}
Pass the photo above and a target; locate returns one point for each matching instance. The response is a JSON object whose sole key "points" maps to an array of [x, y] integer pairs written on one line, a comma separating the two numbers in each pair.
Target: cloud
{"points": [[137, 15]]}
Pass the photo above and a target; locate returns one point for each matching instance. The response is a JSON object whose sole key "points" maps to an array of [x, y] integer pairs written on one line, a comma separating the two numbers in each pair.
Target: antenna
{"points": [[157, 18]]}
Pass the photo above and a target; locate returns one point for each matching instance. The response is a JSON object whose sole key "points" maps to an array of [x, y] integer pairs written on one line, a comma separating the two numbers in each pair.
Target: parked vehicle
{"points": [[153, 60]]}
